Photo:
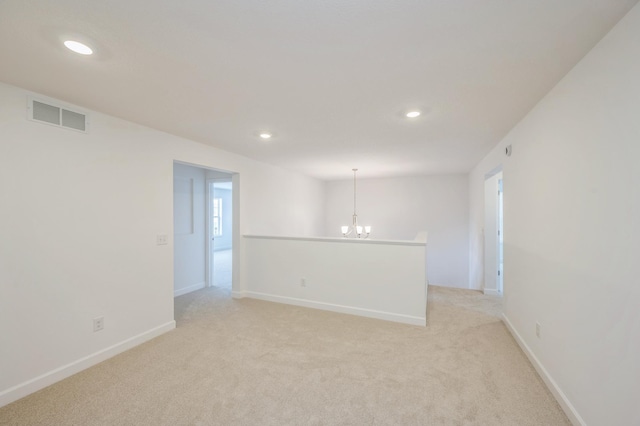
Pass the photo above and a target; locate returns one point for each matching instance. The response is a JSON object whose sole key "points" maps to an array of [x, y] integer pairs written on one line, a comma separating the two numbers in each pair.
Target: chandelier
{"points": [[355, 230]]}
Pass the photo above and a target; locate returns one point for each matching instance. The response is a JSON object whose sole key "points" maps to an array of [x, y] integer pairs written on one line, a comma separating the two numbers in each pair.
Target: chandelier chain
{"points": [[354, 190], [355, 229]]}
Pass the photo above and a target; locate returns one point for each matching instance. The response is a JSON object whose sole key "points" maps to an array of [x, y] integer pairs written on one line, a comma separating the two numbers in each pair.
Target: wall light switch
{"points": [[162, 239]]}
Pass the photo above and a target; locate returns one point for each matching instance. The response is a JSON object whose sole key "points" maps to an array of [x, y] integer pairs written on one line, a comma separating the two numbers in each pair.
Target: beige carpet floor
{"points": [[222, 268], [250, 362]]}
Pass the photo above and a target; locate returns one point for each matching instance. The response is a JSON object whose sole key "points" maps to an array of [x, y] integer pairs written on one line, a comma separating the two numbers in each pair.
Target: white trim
{"points": [[238, 294], [491, 292], [189, 289], [341, 240], [369, 313], [562, 399], [208, 267], [30, 386], [235, 237], [210, 246], [497, 169]]}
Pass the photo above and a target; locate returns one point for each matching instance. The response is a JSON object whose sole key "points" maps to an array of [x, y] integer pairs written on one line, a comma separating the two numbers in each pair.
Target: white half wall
{"points": [[79, 219], [399, 208], [189, 229], [372, 278], [572, 234]]}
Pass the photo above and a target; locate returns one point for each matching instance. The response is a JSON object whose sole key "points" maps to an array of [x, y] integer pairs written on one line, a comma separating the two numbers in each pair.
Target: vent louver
{"points": [[57, 116]]}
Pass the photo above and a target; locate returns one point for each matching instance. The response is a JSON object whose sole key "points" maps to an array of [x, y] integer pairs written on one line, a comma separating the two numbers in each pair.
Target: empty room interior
{"points": [[304, 213]]}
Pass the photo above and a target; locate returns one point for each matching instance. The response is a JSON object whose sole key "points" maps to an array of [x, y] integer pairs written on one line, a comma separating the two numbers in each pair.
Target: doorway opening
{"points": [[493, 233], [220, 232], [206, 232]]}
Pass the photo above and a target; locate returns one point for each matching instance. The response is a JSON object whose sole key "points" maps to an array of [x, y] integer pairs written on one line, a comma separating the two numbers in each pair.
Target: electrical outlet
{"points": [[303, 282], [538, 329], [162, 239], [98, 324]]}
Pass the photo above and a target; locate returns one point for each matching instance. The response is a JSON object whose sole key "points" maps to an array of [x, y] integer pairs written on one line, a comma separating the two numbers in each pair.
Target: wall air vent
{"points": [[45, 112]]}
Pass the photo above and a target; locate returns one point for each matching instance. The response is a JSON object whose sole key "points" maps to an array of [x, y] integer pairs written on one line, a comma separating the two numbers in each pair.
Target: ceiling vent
{"points": [[45, 112]]}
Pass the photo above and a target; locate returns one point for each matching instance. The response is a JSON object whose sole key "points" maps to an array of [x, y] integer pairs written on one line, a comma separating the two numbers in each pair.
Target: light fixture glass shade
{"points": [[344, 229], [358, 230], [367, 229]]}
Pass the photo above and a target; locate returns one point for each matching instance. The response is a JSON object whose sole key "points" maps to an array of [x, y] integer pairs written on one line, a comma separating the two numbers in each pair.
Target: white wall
{"points": [[79, 217], [189, 226], [370, 278], [399, 208], [572, 234]]}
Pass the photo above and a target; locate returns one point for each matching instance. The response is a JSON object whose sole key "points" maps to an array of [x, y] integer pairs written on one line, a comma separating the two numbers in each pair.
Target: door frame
{"points": [[209, 251], [493, 273]]}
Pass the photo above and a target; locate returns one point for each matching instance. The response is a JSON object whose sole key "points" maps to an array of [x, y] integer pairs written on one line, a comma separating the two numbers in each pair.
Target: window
{"points": [[217, 217]]}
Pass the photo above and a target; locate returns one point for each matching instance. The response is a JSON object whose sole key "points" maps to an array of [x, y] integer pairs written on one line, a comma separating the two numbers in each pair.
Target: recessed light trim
{"points": [[78, 47], [413, 114], [265, 135]]}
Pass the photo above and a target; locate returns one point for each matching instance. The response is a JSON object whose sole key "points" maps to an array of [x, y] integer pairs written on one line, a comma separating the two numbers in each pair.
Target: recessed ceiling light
{"points": [[78, 47], [413, 114], [265, 135]]}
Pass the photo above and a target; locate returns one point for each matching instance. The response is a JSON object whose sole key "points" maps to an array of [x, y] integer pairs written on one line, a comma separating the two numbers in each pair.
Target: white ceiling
{"points": [[331, 79]]}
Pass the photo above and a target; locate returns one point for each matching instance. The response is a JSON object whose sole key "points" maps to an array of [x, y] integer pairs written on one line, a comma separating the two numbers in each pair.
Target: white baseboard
{"points": [[189, 289], [369, 313], [562, 399], [491, 292], [23, 389], [238, 294]]}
